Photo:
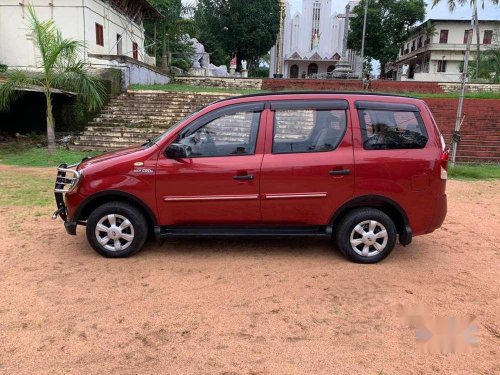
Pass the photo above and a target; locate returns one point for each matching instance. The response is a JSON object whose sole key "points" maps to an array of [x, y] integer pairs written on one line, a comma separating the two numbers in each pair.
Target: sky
{"points": [[439, 11]]}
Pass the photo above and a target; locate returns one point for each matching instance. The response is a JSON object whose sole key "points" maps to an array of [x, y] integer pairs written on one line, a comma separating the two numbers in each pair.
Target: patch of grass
{"points": [[187, 88], [474, 171], [452, 95], [28, 155], [20, 188]]}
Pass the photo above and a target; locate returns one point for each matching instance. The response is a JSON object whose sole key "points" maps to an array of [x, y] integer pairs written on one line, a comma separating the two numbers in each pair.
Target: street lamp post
{"points": [[279, 43], [363, 41]]}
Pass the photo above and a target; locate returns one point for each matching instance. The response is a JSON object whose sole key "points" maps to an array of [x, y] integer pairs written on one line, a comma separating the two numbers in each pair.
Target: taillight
{"points": [[444, 165]]}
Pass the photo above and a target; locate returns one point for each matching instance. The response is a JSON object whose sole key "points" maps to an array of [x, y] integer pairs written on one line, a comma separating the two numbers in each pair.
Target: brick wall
{"points": [[350, 85], [480, 130], [480, 114]]}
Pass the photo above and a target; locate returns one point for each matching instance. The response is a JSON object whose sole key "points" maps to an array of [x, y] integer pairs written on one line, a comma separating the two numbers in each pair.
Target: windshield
{"points": [[169, 130]]}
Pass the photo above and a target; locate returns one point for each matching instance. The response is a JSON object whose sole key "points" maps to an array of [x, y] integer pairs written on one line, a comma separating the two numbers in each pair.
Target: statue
{"points": [[244, 71], [315, 40], [199, 59], [233, 64]]}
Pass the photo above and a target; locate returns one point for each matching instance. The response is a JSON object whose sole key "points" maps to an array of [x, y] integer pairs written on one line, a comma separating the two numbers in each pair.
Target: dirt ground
{"points": [[246, 306]]}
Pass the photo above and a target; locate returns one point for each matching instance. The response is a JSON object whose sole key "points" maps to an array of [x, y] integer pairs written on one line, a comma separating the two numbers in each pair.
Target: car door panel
{"points": [[300, 188], [214, 190]]}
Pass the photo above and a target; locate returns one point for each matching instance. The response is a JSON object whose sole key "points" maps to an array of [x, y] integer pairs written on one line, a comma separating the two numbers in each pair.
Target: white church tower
{"points": [[312, 41]]}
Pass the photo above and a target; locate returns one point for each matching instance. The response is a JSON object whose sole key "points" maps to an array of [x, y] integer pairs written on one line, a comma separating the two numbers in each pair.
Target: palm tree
{"points": [[452, 4], [59, 67], [429, 31]]}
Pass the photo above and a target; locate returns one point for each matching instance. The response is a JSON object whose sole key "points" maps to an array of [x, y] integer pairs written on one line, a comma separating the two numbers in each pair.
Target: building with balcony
{"points": [[437, 54]]}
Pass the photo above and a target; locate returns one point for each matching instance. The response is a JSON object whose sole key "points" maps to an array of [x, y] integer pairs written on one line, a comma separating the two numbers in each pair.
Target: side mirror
{"points": [[177, 151]]}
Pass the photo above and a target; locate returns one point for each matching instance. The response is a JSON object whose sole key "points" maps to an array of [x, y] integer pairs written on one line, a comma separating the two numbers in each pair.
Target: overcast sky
{"points": [[439, 11]]}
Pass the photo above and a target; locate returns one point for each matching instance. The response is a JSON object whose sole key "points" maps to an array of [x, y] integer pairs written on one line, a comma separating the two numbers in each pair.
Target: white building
{"points": [[112, 31], [313, 41], [440, 57]]}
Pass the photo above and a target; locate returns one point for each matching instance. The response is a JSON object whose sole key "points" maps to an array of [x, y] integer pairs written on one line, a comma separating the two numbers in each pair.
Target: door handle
{"points": [[245, 177], [340, 172]]}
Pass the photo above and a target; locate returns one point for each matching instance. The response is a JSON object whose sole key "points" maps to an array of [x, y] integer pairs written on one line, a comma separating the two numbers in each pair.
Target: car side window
{"points": [[307, 130], [231, 134], [389, 130]]}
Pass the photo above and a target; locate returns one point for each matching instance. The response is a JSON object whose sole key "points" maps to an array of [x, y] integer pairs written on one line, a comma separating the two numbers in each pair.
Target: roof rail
{"points": [[275, 93]]}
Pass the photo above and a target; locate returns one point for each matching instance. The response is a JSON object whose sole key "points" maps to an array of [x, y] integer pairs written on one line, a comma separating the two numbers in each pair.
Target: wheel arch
{"points": [[94, 201], [384, 204]]}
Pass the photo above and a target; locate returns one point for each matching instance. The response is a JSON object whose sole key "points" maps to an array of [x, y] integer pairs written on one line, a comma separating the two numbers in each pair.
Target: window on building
{"points": [[294, 71], [99, 35], [443, 36], [389, 130], [466, 36], [441, 66], [413, 45], [119, 44], [316, 13], [420, 38], [488, 36], [312, 69], [135, 51], [307, 130], [330, 68]]}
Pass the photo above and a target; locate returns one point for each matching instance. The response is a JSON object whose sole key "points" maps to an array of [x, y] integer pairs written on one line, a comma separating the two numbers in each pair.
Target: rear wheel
{"points": [[366, 235], [116, 230]]}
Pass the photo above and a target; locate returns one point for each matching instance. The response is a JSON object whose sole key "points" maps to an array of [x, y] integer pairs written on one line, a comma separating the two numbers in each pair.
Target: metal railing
{"points": [[67, 179]]}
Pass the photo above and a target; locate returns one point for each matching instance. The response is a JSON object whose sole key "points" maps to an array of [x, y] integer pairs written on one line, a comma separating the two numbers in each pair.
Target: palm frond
{"points": [[9, 90], [44, 35], [76, 77]]}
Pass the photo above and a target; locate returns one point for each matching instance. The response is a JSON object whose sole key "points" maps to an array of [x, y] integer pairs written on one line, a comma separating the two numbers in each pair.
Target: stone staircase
{"points": [[135, 116]]}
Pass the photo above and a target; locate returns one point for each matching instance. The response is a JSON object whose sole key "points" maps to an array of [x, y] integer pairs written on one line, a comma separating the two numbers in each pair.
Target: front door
{"points": [[218, 183], [308, 166]]}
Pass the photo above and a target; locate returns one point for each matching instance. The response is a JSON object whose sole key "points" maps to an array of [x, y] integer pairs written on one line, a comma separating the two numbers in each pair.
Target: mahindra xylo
{"points": [[363, 170]]}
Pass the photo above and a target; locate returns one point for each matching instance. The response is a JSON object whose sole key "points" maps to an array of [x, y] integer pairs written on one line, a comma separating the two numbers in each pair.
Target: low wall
{"points": [[222, 82], [133, 71], [471, 87], [350, 85], [377, 85], [479, 114]]}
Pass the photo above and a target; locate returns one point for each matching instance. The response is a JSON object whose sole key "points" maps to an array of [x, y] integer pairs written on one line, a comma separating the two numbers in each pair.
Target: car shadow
{"points": [[244, 246]]}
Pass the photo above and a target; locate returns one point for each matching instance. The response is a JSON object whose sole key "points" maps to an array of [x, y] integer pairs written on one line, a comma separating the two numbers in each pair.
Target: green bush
{"points": [[181, 64]]}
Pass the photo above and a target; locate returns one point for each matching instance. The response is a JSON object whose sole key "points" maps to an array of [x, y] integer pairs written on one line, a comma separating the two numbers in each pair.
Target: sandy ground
{"points": [[245, 306]]}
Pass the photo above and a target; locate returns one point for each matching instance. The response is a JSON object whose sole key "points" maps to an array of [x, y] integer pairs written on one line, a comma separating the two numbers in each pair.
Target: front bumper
{"points": [[62, 186]]}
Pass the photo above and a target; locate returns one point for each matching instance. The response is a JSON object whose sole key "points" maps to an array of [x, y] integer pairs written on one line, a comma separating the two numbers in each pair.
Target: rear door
{"points": [[307, 170]]}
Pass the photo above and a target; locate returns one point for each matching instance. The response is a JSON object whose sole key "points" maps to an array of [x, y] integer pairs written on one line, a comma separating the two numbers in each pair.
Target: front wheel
{"points": [[116, 230], [366, 235]]}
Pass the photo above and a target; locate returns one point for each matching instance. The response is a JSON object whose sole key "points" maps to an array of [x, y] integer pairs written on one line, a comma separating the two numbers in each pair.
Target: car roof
{"points": [[298, 94]]}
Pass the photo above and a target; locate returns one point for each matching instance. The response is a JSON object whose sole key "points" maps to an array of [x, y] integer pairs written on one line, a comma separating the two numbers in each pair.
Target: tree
{"points": [[169, 31], [247, 28], [490, 61], [388, 26], [60, 67], [452, 4]]}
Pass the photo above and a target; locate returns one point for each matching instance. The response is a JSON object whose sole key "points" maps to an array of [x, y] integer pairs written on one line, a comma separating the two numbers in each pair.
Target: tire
{"points": [[110, 221], [374, 244]]}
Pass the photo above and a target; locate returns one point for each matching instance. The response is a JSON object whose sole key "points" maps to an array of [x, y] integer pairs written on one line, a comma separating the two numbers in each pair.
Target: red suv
{"points": [[363, 170]]}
